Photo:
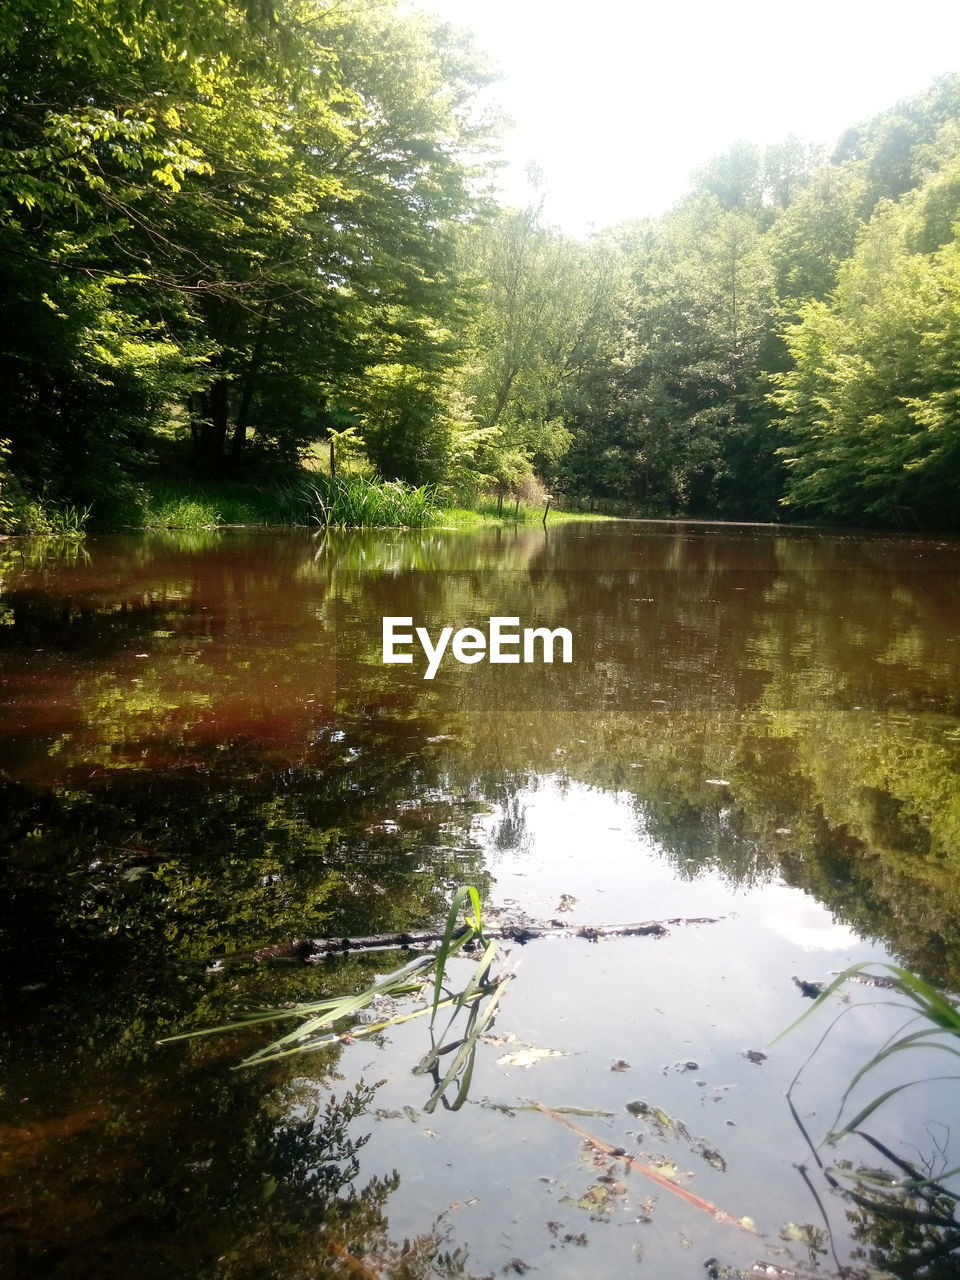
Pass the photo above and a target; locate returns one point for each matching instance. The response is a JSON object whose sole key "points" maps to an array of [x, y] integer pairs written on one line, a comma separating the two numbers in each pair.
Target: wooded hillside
{"points": [[232, 229]]}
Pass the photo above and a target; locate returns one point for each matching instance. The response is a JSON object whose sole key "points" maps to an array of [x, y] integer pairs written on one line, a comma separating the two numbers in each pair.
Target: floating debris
{"points": [[712, 1156], [599, 1145], [810, 990], [527, 1056]]}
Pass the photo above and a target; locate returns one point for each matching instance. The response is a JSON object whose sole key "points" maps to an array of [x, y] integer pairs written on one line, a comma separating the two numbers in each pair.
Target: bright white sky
{"points": [[619, 102]]}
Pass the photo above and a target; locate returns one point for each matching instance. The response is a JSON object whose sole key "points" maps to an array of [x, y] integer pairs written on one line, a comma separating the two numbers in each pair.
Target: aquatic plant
{"points": [[337, 1019], [940, 1031], [908, 1212], [36, 516]]}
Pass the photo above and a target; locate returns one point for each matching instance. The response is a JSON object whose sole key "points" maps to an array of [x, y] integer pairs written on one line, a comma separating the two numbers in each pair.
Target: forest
{"points": [[243, 237]]}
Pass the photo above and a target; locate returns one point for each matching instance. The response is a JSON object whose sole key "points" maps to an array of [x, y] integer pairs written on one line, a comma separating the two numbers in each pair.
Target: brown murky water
{"points": [[203, 753]]}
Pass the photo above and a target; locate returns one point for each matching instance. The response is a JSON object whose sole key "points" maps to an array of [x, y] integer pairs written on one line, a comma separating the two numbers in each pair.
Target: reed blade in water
{"points": [[466, 1053], [318, 1015], [453, 938], [924, 1002], [912, 1195], [318, 1018]]}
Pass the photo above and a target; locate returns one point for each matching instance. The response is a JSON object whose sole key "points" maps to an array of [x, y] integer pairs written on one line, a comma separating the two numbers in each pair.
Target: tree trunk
{"points": [[208, 427], [218, 402], [246, 397]]}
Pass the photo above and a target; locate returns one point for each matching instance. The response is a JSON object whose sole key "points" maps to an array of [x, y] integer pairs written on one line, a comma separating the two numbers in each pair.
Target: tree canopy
{"points": [[238, 228], [225, 213]]}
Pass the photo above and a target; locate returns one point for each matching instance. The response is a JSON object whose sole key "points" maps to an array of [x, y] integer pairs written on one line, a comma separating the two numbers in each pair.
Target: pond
{"points": [[204, 757]]}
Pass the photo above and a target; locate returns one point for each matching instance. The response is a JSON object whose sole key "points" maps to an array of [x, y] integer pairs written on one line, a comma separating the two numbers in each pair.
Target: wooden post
{"points": [[333, 460], [546, 510]]}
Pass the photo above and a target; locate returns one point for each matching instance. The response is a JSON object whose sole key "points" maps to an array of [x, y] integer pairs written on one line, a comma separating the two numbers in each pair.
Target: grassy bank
{"points": [[35, 518], [350, 501], [204, 504], [486, 514], [307, 499]]}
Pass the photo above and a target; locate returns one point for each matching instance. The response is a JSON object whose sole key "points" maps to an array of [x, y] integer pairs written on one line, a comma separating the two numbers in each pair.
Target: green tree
{"points": [[545, 315], [869, 406], [663, 430], [219, 212]]}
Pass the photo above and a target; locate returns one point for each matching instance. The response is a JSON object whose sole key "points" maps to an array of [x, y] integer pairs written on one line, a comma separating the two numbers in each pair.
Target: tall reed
{"points": [[358, 502]]}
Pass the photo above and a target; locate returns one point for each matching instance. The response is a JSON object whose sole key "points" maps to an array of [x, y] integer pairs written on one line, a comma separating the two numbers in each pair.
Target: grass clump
{"points": [[908, 1201], [181, 513], [38, 518], [362, 502], [906, 1206], [45, 520], [510, 510]]}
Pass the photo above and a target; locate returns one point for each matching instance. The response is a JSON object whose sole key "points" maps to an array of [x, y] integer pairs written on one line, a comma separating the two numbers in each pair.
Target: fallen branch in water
{"points": [[648, 1171], [310, 949]]}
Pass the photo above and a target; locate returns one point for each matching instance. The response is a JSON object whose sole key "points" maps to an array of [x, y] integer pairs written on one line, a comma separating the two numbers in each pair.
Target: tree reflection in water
{"points": [[193, 770]]}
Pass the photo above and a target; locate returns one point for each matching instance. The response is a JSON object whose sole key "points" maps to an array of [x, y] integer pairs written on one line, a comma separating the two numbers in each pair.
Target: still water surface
{"points": [[203, 754]]}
